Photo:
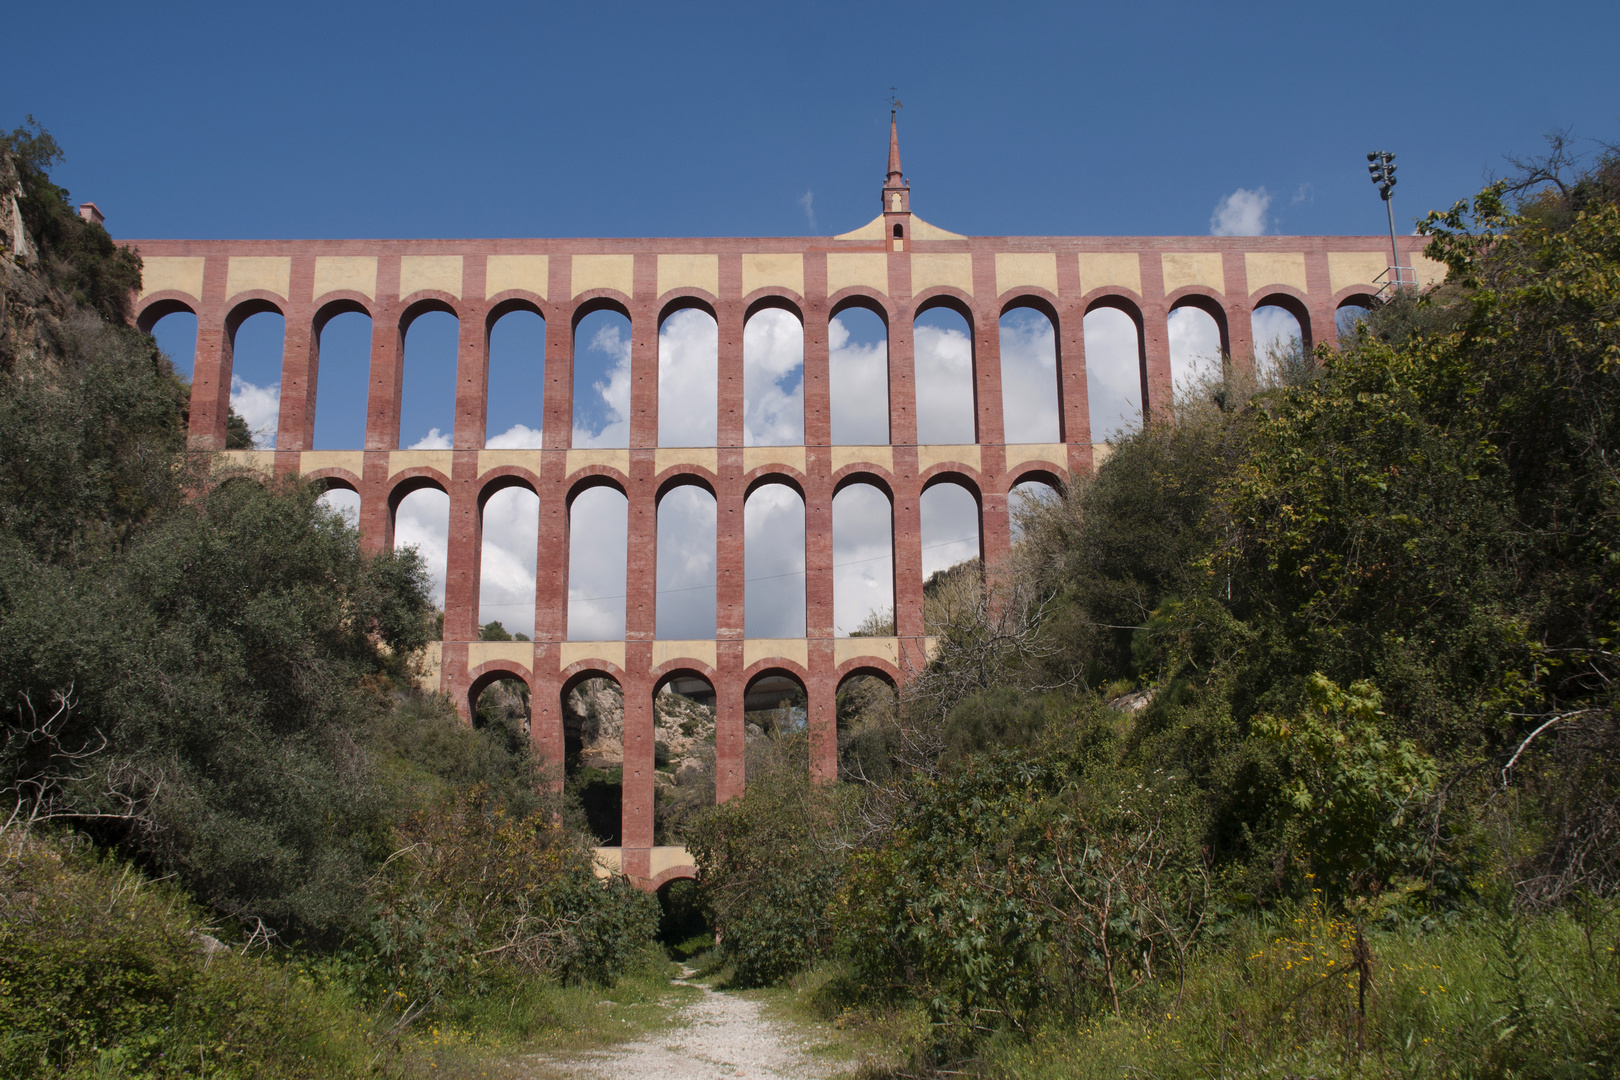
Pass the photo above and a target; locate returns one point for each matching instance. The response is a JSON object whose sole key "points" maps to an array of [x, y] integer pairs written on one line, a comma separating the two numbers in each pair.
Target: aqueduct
{"points": [[896, 266]]}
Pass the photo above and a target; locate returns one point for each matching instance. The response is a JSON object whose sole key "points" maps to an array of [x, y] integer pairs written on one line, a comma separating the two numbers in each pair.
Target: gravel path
{"points": [[720, 1035]]}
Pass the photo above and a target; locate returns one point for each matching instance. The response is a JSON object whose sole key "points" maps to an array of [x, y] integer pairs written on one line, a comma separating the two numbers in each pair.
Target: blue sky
{"points": [[412, 120], [399, 120]]}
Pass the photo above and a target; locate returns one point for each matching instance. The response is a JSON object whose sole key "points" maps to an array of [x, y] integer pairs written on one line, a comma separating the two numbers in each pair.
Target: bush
{"points": [[768, 865], [103, 972], [472, 889]]}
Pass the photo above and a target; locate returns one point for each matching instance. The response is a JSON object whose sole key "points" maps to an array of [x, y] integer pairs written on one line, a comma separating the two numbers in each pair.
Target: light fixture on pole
{"points": [[1381, 164]]}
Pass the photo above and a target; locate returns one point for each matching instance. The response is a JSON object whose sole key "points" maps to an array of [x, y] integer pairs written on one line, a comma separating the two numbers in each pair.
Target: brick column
{"points": [[1155, 341], [387, 360], [636, 819], [295, 424], [211, 365], [472, 375], [1324, 326], [466, 543], [730, 557], [905, 516], [545, 713], [818, 545]]}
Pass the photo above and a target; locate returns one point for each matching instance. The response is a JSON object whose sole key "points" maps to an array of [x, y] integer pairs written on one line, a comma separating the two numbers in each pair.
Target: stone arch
{"points": [[154, 308], [874, 666], [689, 667], [505, 476], [595, 476], [1290, 300], [338, 303], [585, 568], [687, 298], [594, 300], [1038, 473], [334, 479], [1108, 393], [490, 673], [419, 304], [773, 296], [1031, 395], [603, 799], [506, 302], [950, 298], [774, 566], [946, 469], [683, 871], [1208, 301], [863, 473], [775, 474], [684, 475], [936, 514], [860, 296]]}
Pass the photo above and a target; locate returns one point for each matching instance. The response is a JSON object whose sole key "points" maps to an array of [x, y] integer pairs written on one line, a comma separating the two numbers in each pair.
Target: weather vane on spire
{"points": [[895, 103]]}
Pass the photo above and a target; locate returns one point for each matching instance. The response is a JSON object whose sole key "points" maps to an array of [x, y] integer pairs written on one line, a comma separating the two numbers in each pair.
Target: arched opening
{"points": [[1029, 377], [776, 708], [899, 231], [422, 521], [683, 755], [1113, 373], [256, 349], [863, 562], [1351, 313], [517, 381], [342, 380], [506, 568], [593, 753], [773, 379], [868, 708], [427, 404], [942, 351], [858, 378], [689, 379], [602, 380], [683, 926], [1280, 354], [1195, 351], [500, 708], [176, 336], [344, 502], [598, 554], [773, 563], [950, 528], [686, 563], [1026, 499]]}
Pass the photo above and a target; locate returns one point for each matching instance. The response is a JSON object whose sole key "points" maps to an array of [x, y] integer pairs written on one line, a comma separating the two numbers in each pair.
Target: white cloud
{"points": [[516, 437], [260, 406], [1242, 213], [773, 379], [688, 379], [433, 440], [950, 527], [597, 562], [773, 557], [686, 564], [859, 377], [1029, 389], [614, 392], [863, 556], [506, 574], [807, 202], [1304, 194], [944, 384], [1195, 347], [1113, 373], [423, 522]]}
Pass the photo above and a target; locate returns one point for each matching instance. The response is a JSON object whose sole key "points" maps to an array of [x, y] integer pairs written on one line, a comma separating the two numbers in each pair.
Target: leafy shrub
{"points": [[103, 972], [472, 888], [768, 865]]}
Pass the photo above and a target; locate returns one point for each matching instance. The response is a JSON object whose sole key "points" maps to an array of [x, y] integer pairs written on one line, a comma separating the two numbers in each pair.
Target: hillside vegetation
{"points": [[236, 840], [1286, 744]]}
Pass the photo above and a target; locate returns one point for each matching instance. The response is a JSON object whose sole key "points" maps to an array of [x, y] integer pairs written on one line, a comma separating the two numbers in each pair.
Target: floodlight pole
{"points": [[1394, 247]]}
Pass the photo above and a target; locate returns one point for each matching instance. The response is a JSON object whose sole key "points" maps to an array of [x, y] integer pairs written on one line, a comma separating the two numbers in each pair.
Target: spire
{"points": [[894, 149], [896, 189]]}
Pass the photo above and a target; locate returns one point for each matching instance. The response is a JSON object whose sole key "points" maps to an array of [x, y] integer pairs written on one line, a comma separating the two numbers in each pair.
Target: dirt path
{"points": [[719, 1035]]}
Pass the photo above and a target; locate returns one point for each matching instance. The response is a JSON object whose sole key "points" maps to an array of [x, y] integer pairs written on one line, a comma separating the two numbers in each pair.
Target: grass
{"points": [[103, 973]]}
